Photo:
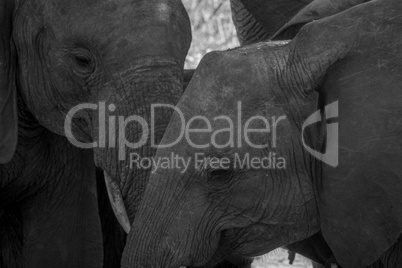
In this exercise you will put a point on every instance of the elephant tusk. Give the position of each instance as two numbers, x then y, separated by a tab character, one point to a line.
116	200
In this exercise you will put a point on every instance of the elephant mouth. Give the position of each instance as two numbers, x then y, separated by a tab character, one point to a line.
239	242
227	245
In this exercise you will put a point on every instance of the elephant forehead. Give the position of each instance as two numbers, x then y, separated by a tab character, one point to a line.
246	75
141	27
106	15
64	8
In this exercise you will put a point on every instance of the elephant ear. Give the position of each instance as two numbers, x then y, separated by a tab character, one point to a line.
316	10
359	200
8	101
258	20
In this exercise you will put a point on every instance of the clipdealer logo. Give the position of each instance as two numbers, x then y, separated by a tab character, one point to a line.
112	134
112	130
331	155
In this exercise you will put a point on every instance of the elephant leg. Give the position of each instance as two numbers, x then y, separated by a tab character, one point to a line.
235	262
61	222
114	237
11	237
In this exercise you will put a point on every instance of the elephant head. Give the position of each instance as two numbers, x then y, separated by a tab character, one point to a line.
234	175
260	20
72	67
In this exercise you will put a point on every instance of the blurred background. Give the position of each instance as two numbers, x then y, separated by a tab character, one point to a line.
213	29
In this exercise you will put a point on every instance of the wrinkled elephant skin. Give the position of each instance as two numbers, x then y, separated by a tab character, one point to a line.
200	213
54	57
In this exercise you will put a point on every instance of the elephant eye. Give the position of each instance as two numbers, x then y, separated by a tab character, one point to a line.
84	64
220	177
83	61
220	172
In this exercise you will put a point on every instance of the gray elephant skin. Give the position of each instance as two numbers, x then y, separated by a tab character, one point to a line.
55	55
351	72
258	21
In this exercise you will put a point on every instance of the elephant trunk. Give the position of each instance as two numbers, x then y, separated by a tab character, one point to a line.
128	131
157	248
168	226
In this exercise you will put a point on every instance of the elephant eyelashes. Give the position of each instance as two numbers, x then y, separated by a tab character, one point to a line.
83	62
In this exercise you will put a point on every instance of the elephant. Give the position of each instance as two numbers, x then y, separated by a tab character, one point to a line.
334	170
55	57
259	20
114	236
283	24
